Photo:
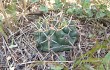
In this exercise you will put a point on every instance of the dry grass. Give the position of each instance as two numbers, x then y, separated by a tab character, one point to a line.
19	50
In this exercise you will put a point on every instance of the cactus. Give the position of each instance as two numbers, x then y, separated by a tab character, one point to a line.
56	40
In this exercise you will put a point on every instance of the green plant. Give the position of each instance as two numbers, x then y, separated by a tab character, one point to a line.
9	13
34	1
57	67
87	10
1	28
56	40
43	8
58	4
94	62
106	62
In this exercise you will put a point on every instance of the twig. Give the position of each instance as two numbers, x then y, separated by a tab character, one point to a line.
41	62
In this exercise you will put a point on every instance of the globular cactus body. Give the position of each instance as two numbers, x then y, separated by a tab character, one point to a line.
56	40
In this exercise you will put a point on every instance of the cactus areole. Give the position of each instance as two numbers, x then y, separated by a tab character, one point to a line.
57	40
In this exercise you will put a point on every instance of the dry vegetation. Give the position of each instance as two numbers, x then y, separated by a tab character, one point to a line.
20	20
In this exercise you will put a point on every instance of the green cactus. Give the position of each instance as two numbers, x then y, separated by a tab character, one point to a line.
56	40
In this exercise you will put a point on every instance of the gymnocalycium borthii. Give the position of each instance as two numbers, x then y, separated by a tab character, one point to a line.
56	39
